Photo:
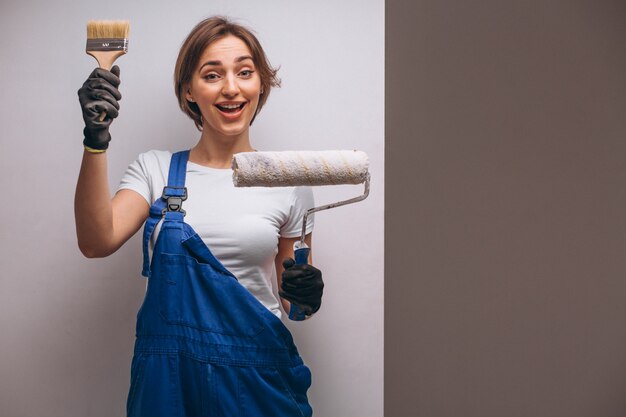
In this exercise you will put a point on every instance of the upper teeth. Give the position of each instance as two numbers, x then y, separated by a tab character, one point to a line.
230	106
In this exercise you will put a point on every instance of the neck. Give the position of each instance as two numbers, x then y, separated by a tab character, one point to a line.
216	150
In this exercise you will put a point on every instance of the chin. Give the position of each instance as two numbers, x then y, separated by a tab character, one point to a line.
230	131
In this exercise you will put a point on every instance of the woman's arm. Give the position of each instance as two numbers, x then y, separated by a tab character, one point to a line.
285	250
104	224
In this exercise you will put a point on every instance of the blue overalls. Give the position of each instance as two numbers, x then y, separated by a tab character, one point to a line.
205	345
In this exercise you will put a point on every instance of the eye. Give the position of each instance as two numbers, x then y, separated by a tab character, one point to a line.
246	73
210	76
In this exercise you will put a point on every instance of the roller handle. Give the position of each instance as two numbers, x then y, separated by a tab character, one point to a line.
301	258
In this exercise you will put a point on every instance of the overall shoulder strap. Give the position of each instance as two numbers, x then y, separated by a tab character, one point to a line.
178	169
174	193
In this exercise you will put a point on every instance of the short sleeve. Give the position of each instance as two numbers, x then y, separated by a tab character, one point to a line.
136	178
302	200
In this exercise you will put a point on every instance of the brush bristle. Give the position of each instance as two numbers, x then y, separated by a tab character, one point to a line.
108	29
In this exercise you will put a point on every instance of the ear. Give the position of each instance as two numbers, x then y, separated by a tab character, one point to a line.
188	95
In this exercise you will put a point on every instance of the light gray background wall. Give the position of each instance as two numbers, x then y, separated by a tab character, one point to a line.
67	323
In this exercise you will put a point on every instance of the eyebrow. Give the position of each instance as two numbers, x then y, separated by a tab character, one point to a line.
217	63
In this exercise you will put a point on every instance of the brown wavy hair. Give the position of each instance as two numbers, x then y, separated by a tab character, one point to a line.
206	32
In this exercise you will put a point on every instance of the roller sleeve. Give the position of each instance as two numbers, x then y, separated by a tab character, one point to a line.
299	168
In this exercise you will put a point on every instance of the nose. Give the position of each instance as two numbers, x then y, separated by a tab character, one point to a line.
230	87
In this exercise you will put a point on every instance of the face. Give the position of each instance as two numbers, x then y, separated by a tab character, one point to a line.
226	87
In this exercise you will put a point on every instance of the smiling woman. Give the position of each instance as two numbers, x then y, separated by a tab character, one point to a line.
190	60
225	88
209	336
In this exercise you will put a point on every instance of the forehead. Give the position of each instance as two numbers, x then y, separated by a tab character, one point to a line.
226	49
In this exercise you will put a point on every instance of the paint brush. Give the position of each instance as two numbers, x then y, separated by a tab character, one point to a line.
107	40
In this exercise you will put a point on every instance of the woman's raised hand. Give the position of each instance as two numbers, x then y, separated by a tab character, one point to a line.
99	97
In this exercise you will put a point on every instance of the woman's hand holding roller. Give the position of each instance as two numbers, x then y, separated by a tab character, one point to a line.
302	285
98	95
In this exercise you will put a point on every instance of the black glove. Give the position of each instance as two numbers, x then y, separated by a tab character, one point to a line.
302	285
97	95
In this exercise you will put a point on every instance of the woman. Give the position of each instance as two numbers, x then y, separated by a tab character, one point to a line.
209	336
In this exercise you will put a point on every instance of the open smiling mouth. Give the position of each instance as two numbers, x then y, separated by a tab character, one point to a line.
231	109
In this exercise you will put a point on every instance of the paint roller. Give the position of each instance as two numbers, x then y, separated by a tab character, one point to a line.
302	168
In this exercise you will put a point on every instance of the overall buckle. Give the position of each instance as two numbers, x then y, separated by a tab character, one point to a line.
174	197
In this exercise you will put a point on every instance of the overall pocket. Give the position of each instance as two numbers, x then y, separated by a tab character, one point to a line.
255	391
136	374
152	391
264	392
196	295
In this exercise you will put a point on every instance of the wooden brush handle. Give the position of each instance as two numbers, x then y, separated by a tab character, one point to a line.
105	61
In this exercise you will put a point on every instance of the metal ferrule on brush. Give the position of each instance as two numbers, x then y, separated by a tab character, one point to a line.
111	44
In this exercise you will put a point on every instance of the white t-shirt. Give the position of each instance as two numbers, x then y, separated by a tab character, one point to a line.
241	226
